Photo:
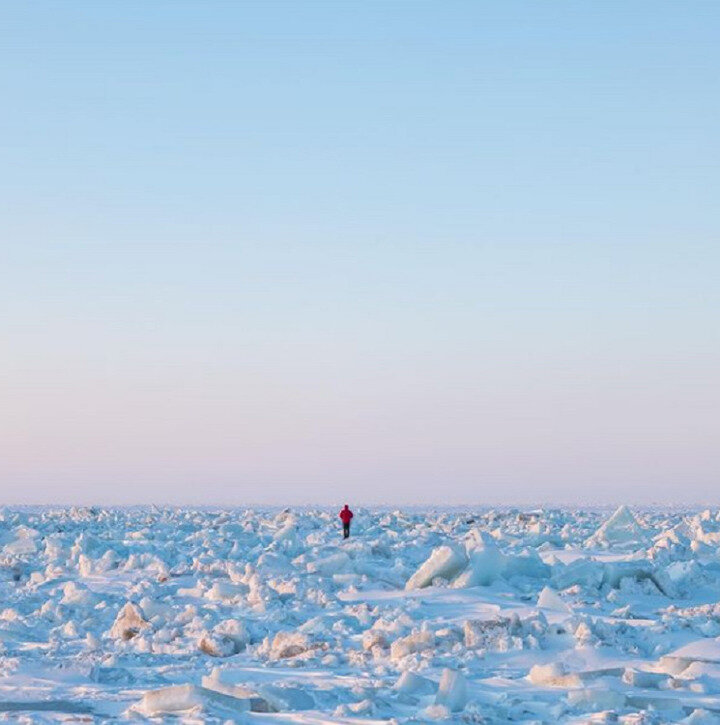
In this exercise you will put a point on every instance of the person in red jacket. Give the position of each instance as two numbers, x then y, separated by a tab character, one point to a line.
346	516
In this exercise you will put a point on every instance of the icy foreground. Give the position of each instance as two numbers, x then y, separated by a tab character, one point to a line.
265	617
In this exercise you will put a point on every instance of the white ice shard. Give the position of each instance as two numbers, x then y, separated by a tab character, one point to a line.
550	599
585	572
452	692
620	530
263	697
527	565
436	712
289	644
417	642
445	562
699	650
486	563
553	674
225	591
596	698
217	645
374	638
179	698
700	717
645	679
412	683
330	565
129	622
287	531
22	546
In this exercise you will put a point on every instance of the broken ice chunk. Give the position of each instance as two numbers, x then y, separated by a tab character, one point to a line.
412	683
553	674
445	561
486	564
417	642
620	530
129	622
289	644
217	645
596	699
642	678
550	599
452	691
178	698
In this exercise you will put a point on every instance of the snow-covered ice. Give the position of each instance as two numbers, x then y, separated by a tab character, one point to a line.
543	616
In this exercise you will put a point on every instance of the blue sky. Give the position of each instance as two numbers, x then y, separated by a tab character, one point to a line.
383	252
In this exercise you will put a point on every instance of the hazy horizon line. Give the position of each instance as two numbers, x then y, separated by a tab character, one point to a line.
381	506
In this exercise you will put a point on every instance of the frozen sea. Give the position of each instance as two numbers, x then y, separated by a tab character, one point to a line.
265	616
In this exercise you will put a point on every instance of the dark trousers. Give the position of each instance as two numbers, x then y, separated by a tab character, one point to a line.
346	531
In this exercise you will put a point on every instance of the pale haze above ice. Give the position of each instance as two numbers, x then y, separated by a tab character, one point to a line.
426	253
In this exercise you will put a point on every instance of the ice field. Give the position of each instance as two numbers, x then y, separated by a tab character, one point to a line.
270	617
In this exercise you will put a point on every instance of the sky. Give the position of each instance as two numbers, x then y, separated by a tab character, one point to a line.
375	252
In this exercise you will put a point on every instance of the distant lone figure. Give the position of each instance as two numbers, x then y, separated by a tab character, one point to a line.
346	516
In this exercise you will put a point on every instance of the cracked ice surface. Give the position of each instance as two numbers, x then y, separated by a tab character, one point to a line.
269	617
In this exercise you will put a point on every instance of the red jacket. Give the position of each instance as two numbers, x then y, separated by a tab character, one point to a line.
345	515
